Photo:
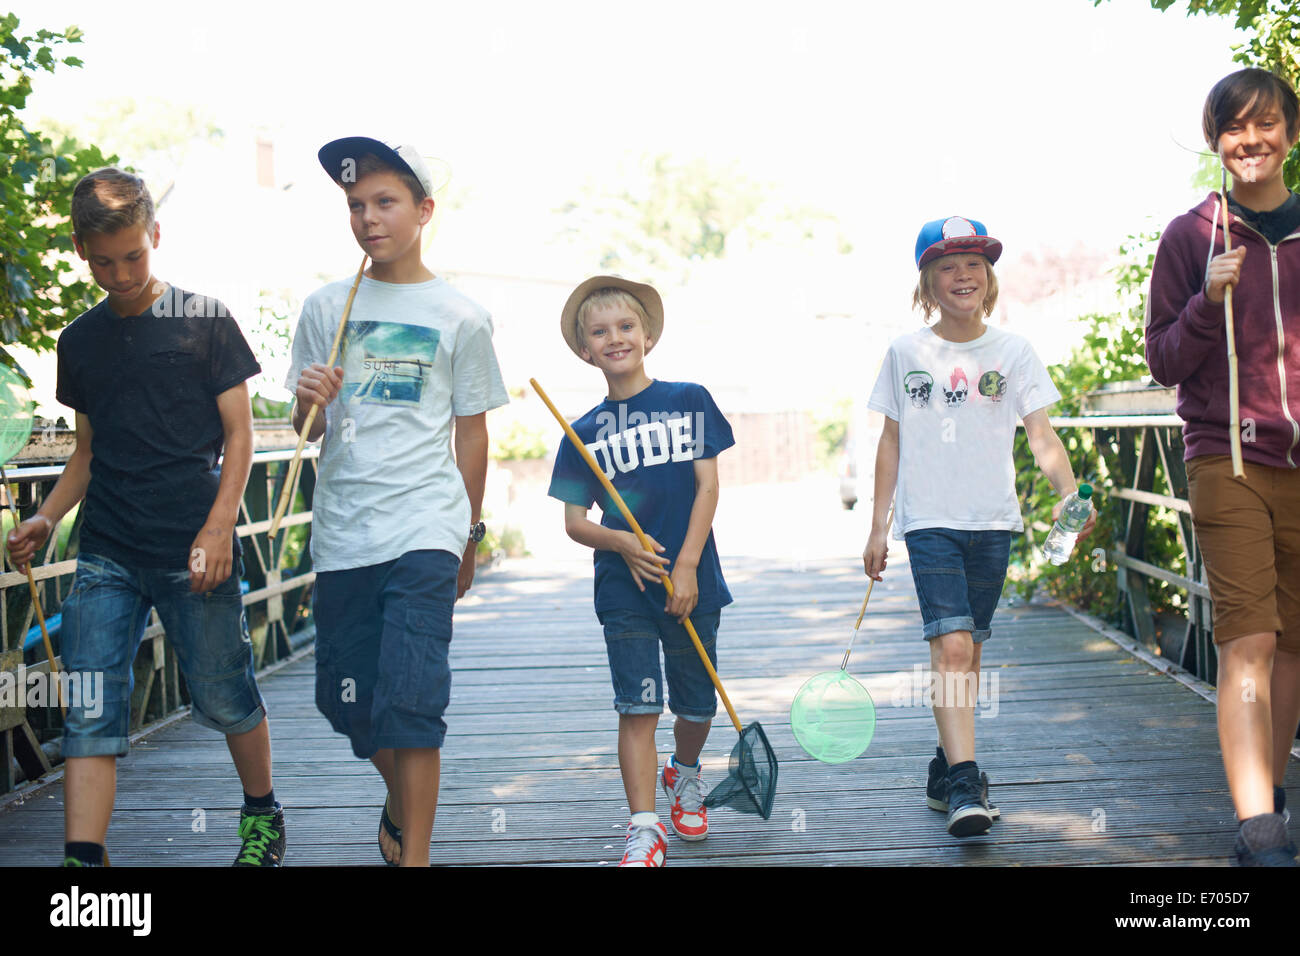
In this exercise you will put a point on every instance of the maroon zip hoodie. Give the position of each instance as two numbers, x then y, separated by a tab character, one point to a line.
1186	344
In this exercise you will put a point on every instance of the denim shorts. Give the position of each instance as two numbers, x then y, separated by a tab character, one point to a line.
383	636
632	640
959	577
104	618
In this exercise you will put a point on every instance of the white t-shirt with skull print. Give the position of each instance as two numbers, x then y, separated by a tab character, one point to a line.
956	404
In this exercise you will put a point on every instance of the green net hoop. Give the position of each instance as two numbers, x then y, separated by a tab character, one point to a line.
833	717
750	786
16	414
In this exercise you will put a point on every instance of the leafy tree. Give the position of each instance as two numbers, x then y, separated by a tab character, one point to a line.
1113	351
1274	45
38	289
675	213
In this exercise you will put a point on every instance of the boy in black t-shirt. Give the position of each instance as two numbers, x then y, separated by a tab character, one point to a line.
157	378
658	442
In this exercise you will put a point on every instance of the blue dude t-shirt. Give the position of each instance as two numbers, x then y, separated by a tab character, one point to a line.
647	446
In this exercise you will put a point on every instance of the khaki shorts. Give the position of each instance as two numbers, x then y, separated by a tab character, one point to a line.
1249	534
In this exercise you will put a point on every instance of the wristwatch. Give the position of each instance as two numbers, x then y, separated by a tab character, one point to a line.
477	531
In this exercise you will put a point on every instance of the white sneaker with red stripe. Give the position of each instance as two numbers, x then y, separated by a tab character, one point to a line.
647	844
686	790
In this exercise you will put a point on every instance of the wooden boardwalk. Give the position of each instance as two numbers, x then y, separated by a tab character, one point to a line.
1094	756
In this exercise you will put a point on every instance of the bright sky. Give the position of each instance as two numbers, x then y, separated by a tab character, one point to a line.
1053	121
1047	119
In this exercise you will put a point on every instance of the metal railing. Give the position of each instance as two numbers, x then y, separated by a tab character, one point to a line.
277	576
1140	439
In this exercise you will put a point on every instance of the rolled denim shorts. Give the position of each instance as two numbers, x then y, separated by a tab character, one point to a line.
104	619
633	639
959	577
383	638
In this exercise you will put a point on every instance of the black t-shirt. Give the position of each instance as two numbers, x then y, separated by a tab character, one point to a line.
149	385
1274	225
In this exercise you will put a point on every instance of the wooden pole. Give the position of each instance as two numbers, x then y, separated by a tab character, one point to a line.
291	480
1234	413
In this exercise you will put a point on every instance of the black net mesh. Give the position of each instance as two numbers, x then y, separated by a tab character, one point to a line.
751	778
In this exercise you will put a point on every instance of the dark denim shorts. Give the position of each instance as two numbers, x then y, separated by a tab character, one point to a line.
383	635
959	577
104	619
632	640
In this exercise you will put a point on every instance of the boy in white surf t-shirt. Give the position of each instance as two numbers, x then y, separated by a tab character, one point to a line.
951	395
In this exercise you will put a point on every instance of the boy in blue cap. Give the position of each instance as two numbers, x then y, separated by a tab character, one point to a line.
949	451
658	443
395	518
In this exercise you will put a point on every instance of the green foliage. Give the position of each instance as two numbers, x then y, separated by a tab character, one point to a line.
518	442
833	431
1111	351
156	133
39	293
270	337
507	541
677	213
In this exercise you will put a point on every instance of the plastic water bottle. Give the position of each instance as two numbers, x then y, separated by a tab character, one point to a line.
1060	540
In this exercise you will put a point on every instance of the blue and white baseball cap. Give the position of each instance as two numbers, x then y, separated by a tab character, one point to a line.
943	237
339	158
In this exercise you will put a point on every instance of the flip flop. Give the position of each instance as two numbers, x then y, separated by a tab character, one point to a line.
394	832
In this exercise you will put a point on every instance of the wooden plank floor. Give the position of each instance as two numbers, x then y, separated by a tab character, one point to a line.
1094	757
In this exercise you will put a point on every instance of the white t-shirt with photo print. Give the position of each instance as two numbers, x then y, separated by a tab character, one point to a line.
413	355
956	404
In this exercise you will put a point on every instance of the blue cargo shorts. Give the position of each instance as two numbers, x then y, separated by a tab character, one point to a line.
633	639
383	636
104	619
959	577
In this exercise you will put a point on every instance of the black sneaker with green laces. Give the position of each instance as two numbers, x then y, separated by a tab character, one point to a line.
263	836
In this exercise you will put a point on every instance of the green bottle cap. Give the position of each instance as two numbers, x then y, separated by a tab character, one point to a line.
1085	490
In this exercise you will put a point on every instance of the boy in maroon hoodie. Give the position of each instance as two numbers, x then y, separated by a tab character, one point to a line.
1248	529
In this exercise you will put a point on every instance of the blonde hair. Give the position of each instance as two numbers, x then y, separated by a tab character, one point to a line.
925	298
605	298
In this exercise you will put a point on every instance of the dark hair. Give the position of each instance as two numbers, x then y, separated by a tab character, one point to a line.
108	199
1251	91
368	163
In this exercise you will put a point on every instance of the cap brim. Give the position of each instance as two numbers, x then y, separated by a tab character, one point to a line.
335	156
986	246
645	294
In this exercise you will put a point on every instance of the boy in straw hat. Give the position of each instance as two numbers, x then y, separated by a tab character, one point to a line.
658	443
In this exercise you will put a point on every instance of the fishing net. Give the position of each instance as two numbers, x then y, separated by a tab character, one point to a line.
833	717
16	414
750	785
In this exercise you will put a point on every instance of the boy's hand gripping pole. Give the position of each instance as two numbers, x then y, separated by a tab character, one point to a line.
295	464
1234	413
36	600
844	664
636	529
